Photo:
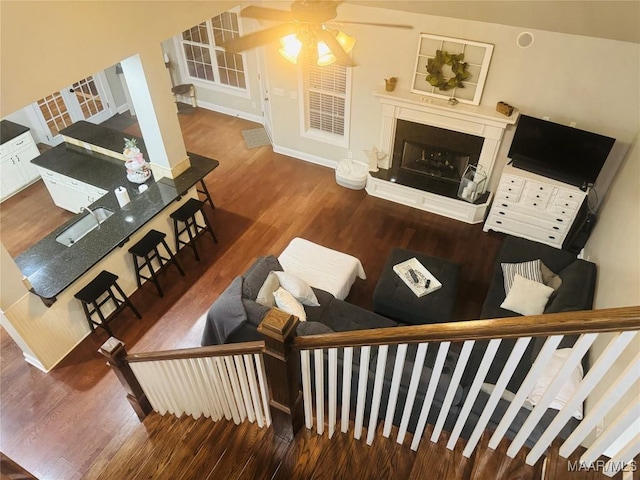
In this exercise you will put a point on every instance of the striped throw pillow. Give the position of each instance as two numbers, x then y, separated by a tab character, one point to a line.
530	270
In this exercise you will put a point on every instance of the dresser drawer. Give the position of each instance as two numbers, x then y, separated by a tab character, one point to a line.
544	222
569	195
535	203
534	194
511	180
532	186
525	230
571	205
505	188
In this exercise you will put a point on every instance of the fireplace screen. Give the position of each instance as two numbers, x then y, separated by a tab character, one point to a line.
441	163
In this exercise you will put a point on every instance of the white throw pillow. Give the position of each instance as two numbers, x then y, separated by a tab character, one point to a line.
265	294
569	387
527	297
298	288
530	270
288	303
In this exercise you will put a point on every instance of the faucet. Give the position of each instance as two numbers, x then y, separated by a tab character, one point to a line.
92	214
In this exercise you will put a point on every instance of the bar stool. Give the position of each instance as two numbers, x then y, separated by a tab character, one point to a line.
147	248
91	293
205	192
186	214
185	89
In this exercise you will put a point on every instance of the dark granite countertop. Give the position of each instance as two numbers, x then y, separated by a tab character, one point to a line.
52	267
10	130
89	167
102	137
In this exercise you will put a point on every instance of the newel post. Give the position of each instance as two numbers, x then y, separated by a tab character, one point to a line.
114	350
282	365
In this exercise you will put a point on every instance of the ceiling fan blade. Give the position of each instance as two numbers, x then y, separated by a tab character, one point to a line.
263	13
341	56
261	37
391	25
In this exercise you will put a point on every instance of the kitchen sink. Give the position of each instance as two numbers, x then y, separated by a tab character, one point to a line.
83	226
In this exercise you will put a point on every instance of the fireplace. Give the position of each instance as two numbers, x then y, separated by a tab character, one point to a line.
451	137
432	159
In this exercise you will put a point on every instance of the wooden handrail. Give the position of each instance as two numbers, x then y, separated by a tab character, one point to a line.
566	323
246	348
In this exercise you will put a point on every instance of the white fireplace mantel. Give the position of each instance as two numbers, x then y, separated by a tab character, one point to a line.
481	121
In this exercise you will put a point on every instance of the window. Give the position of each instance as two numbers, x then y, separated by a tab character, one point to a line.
204	57
326	102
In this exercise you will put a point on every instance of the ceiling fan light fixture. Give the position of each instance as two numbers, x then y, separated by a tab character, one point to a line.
346	41
291	47
325	57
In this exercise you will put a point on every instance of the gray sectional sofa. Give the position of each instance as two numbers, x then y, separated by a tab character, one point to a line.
238	323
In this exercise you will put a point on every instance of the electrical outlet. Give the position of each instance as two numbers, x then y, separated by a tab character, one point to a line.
293	95
599	428
572	124
545	118
349	154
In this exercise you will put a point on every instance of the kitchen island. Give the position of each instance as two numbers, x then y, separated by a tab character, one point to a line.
47	322
50	266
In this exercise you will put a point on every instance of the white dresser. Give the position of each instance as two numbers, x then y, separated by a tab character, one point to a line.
534	207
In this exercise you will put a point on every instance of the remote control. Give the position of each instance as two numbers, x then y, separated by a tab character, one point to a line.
413	275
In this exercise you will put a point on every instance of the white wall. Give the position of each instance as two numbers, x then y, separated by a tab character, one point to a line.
614	246
590	81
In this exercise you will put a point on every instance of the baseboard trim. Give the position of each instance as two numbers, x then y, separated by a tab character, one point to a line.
123	108
229	111
307	157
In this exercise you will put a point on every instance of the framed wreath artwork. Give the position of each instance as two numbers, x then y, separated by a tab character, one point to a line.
451	68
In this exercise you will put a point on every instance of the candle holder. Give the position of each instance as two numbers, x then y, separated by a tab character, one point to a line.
472	184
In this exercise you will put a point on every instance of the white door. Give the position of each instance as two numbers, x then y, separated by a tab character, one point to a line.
87	99
264	93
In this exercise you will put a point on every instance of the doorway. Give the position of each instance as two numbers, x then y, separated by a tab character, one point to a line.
88	99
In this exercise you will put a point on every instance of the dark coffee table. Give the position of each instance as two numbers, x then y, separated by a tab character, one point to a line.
394	299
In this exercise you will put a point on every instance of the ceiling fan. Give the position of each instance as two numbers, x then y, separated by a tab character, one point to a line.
307	30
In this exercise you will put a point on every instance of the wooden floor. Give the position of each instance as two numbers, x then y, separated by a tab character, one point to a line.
58	425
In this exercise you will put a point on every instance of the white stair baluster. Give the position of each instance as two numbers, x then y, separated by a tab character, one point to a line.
577	352
398	367
501	384
527	384
451	391
244	387
333	389
305	367
590	381
253	388
214	372
614	393
610	434
625	455
413	388
431	391
227	390
363	377
381	365
318	357
481	374
347	365
235	386
264	388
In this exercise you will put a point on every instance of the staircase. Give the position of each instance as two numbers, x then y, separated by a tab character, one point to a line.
237	411
167	447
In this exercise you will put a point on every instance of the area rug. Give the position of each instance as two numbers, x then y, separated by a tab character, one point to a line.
256	137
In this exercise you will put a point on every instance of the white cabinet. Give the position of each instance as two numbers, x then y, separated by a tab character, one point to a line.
534	207
16	170
69	193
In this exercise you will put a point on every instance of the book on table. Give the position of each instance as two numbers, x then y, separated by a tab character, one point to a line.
420	280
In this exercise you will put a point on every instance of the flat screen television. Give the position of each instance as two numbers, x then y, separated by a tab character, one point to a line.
566	154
